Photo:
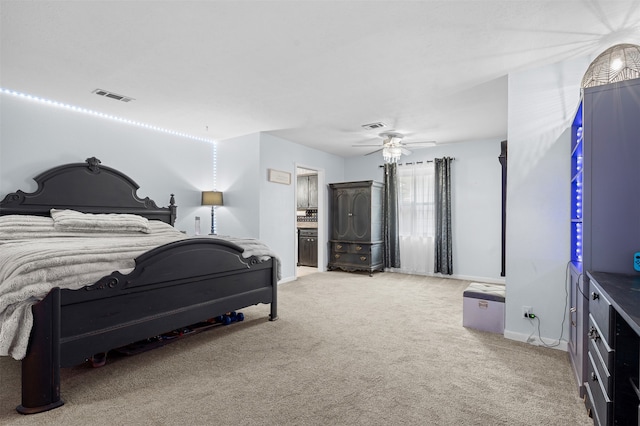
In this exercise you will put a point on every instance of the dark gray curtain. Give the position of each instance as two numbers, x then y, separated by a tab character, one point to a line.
390	217
443	248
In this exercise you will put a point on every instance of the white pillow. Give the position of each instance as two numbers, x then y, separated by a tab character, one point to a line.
71	220
20	226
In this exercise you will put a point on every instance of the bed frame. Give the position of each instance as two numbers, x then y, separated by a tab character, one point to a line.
172	286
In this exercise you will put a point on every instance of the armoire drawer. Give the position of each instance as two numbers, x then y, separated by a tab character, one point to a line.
360	248
352	258
340	247
356	248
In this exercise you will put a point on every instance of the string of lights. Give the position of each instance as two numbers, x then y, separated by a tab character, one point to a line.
101	115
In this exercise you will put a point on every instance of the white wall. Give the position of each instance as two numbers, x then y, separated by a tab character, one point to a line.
238	174
542	103
277	218
35	137
265	210
476	202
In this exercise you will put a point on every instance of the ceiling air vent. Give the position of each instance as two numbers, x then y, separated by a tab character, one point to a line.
112	95
374	126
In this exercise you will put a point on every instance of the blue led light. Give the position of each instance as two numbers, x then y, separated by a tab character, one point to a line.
101	115
577	166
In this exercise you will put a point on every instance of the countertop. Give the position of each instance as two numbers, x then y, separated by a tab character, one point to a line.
307	225
623	291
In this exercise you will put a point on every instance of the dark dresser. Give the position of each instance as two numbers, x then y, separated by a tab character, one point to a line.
356	226
605	233
613	356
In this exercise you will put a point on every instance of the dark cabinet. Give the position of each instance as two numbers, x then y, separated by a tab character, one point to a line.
605	234
613	359
356	226
578	322
307	195
308	247
611	194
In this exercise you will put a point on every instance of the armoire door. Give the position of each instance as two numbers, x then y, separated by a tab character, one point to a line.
360	215
341	214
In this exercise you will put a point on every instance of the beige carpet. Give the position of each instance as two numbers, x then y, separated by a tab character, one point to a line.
348	349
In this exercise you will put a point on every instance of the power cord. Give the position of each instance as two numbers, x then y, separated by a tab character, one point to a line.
532	317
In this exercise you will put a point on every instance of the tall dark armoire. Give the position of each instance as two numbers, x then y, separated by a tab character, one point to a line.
355	211
605	234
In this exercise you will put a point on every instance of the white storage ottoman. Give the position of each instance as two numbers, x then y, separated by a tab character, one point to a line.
483	307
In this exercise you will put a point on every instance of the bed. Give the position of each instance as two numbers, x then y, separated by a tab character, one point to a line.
170	286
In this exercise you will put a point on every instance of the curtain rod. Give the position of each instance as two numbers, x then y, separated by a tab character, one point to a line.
417	162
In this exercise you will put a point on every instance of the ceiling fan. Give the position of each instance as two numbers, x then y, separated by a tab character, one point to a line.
393	147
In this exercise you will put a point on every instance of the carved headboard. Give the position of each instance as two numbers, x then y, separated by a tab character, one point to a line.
89	188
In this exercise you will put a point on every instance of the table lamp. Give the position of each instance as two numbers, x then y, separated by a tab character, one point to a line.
213	199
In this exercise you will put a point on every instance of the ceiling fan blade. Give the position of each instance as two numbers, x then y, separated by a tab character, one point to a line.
423	143
373	152
368	141
405	151
367	145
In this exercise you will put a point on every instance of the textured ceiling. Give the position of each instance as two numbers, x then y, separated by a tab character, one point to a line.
312	72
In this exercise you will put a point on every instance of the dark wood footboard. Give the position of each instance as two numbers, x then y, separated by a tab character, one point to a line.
41	366
171	287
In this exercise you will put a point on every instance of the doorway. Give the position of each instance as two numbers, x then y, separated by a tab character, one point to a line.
310	225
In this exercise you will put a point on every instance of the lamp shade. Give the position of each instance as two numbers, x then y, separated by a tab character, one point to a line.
212	198
618	63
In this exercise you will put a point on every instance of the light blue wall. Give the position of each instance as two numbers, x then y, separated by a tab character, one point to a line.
259	208
35	137
278	201
476	202
542	103
238	174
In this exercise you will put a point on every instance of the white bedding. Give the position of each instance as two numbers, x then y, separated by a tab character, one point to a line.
30	267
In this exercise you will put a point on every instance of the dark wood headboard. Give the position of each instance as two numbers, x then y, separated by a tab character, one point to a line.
89	188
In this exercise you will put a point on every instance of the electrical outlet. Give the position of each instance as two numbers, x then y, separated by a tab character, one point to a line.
526	311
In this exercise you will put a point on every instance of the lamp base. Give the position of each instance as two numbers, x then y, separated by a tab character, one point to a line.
213	223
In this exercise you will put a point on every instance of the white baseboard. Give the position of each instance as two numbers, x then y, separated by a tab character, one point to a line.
534	340
476	279
455	277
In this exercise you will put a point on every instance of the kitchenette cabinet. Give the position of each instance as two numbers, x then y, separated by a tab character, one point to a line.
307	247
307	195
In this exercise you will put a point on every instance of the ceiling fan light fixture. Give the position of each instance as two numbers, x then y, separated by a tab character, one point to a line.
391	154
391	137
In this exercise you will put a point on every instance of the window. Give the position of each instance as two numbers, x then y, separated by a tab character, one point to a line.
416	217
